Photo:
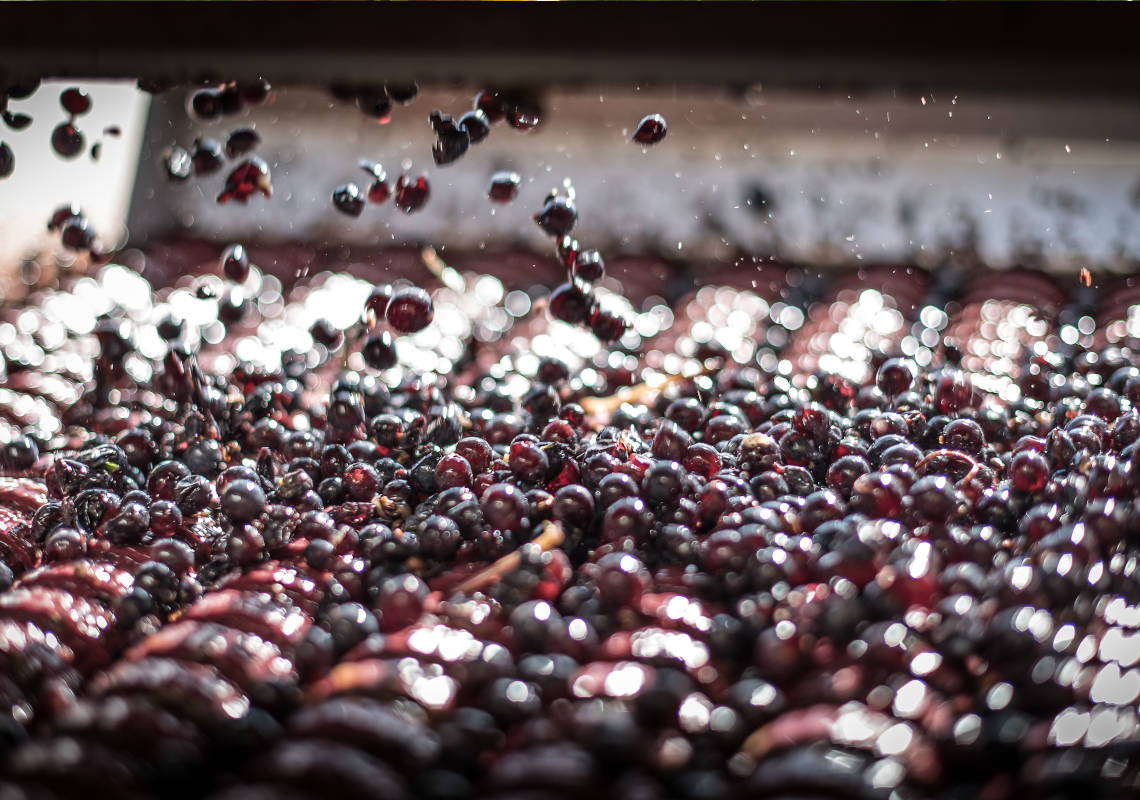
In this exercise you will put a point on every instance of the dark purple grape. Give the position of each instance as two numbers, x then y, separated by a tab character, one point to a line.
439	537
663	484
843	472
159	581
607	326
476	451
174	553
505	507
77	234
570	304
492	104
452	141
75	101
574	505
628	516
589	266
350	624
475	124
504	187
895	376
207	157
242	501
1104	403
557	217
164	477
165	517
410	310
453	470
192	494
1028	471
348	199
232	307
379	350
206	104
812	420
320	553
878	495
552	371
375	102
235	263
378	191
523	112
953	391
650	130
400	601
64	544
621	579
890	424
67	140
528	462
241	141
15	120
965	435
614	486
411	193
326	334
361	481
18	454
22	88
331	491
7	160
688	413
230	100
702	459
377	302
935	499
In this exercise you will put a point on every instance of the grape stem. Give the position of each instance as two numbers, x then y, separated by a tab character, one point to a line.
944	453
974	464
552	536
438	267
642	393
